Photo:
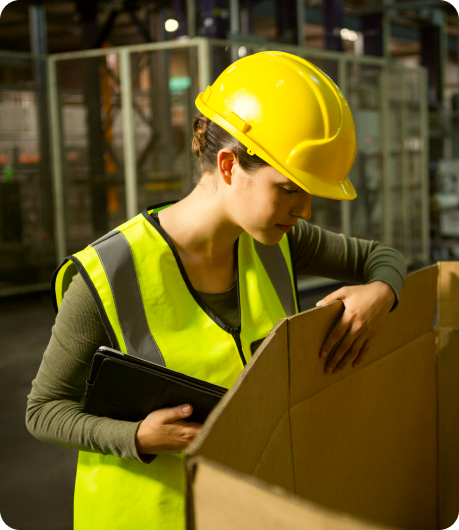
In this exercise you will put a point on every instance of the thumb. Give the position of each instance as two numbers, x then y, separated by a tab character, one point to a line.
337	295
176	413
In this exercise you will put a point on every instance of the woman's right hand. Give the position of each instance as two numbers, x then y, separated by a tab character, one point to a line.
166	431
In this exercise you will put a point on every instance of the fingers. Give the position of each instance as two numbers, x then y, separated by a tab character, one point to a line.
363	350
343	358
344	344
336	295
189	429
341	350
166	431
169	415
335	336
186	432
340	358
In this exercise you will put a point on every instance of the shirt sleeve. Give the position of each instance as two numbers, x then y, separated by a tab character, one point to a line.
318	252
55	403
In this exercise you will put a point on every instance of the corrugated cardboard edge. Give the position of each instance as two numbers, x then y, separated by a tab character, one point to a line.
366	524
447	330
212	418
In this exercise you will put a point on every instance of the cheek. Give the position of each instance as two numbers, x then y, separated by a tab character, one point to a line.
258	212
261	206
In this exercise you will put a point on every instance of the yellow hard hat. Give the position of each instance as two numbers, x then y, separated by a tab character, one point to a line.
292	115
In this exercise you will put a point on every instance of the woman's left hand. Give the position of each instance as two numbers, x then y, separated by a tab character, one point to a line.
366	309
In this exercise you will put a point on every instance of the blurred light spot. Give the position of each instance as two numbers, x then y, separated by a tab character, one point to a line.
208	22
171	25
112	59
348	34
413	143
242	51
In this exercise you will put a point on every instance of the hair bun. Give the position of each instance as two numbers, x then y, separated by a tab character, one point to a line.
199	142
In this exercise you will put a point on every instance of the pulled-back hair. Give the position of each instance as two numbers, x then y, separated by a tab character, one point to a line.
207	141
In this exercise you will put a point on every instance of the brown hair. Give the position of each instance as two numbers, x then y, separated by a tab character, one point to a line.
207	141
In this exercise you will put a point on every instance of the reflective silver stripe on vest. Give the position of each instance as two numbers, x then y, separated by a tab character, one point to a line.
276	267
116	258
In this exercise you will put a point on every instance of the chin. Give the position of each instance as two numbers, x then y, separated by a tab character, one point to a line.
266	238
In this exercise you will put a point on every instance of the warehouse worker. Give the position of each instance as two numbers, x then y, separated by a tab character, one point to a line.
195	285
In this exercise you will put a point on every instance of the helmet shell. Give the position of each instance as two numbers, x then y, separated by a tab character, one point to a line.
292	115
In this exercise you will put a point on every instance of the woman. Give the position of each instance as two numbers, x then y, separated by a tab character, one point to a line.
197	284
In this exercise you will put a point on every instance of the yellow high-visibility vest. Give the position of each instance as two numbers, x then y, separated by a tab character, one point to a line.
150	309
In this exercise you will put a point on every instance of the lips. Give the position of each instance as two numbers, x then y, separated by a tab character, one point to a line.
285	228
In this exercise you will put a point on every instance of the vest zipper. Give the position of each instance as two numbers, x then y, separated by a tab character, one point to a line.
237	338
237	332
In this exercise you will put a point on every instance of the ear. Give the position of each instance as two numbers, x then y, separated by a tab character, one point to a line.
226	160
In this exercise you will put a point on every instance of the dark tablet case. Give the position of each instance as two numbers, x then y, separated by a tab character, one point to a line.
124	387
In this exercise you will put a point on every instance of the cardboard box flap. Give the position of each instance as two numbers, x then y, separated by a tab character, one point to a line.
226	500
308	331
255	403
275	465
448	294
377	426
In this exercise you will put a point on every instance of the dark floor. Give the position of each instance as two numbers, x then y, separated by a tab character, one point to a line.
36	479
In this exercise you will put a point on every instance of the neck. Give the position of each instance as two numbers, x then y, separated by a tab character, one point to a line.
200	225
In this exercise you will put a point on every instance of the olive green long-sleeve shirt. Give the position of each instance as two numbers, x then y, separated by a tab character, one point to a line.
54	410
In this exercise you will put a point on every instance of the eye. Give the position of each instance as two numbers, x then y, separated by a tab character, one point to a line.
289	191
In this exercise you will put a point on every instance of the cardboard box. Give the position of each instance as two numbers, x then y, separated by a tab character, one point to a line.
376	446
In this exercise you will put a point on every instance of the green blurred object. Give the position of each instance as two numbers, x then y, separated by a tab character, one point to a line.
179	83
8	173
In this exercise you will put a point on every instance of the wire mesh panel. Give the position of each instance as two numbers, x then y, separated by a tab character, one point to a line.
92	153
165	85
414	175
363	92
125	122
26	215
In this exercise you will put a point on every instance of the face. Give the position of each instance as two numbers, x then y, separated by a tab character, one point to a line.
266	204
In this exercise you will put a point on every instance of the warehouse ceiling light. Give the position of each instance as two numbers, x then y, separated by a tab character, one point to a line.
348	34
242	51
171	25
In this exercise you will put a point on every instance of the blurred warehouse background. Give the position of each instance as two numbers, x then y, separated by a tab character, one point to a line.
97	98
96	104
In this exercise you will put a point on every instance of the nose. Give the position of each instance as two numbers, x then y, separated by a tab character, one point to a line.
303	208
